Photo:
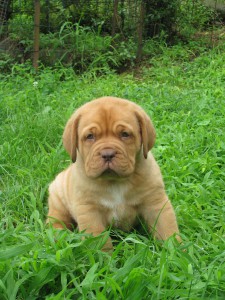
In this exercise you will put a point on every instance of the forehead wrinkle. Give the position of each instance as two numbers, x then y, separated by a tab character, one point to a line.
123	124
112	117
105	118
92	127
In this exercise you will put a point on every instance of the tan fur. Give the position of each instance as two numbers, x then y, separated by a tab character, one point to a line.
96	193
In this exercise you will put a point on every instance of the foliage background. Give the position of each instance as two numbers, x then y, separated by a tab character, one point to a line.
100	34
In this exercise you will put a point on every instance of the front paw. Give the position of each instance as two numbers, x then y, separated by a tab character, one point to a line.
108	246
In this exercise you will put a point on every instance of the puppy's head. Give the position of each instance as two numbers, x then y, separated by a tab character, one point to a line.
109	134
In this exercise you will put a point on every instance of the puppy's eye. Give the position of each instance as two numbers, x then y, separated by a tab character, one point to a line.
124	135
90	137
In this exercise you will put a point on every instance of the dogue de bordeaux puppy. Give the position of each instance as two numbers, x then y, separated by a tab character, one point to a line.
114	179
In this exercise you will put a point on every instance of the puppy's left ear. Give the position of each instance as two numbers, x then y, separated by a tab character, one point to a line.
148	133
70	137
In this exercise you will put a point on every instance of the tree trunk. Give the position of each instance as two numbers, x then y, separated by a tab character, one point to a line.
140	30
115	17
37	9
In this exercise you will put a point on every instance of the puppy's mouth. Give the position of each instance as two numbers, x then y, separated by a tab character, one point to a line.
109	172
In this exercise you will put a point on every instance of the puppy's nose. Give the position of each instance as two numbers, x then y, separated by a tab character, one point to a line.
108	154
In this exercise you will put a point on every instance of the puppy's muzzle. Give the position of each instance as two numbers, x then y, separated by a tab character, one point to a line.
108	154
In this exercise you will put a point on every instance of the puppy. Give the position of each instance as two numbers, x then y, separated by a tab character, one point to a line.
114	179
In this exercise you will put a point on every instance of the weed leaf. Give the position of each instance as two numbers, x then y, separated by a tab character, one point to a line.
14	251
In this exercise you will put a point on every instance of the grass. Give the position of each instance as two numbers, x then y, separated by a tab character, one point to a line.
185	98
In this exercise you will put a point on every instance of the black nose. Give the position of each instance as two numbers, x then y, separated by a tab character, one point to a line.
108	154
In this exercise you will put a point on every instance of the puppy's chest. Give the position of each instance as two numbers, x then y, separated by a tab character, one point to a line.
120	211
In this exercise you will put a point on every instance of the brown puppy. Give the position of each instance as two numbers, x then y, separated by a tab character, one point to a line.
114	179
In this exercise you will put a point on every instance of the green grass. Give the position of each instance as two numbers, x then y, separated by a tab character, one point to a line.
185	97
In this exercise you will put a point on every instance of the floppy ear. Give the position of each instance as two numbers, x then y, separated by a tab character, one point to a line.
148	134
70	137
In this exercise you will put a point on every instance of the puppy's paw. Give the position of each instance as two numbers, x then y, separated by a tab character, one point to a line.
108	246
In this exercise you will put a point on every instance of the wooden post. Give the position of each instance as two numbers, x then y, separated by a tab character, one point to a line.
37	9
140	29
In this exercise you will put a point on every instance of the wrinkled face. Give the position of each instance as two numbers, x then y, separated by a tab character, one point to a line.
108	142
108	134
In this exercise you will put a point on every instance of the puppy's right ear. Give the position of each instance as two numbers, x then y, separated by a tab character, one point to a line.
147	131
70	136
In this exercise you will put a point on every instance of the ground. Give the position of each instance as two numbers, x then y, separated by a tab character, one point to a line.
184	95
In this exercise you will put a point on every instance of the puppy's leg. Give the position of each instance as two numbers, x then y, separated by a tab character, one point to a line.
160	218
91	220
58	214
